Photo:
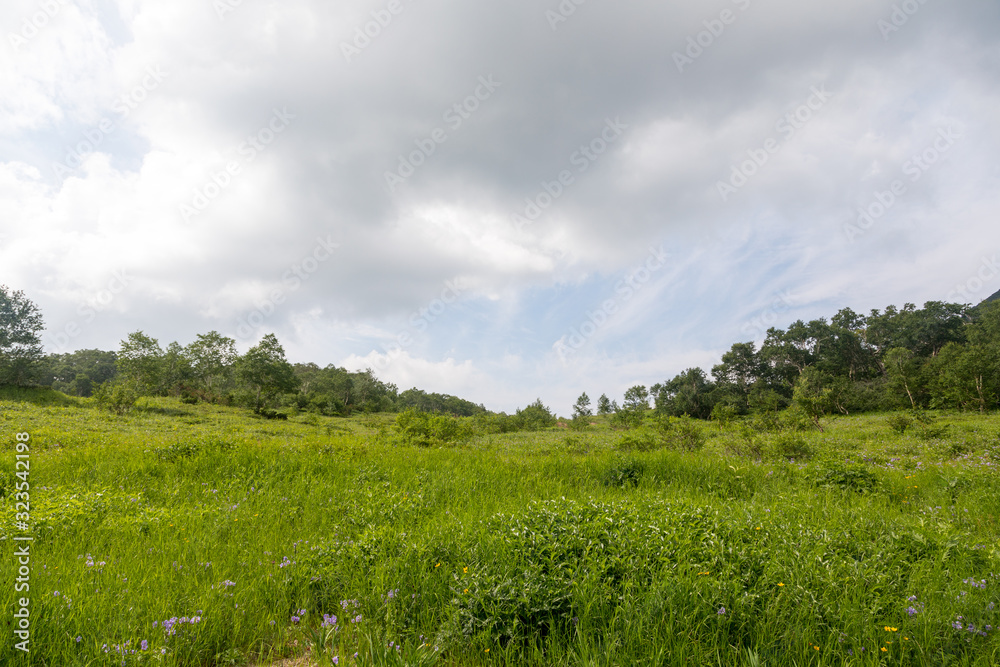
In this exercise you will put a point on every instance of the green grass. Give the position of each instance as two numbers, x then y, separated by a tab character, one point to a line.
550	548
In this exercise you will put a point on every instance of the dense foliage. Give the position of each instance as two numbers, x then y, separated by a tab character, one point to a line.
943	356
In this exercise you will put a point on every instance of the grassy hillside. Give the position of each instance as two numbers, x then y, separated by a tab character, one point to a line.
202	535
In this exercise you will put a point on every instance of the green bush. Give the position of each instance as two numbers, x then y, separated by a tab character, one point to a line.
682	433
530	578
899	422
792	446
845	476
115	397
623	472
427	430
639	440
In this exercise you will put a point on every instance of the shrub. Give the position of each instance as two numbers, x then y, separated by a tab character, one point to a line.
899	422
681	433
749	442
427	430
627	418
792	446
623	472
117	398
534	417
723	413
850	477
639	440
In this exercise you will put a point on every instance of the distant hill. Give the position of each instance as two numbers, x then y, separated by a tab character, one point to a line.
992	298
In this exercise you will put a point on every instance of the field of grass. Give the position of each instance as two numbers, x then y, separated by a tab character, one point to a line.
201	535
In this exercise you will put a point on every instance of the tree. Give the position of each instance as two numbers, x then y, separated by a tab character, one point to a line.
740	369
266	372
534	417
212	356
688	393
175	370
633	408
78	373
636	399
139	363
581	411
604	405
903	368
965	376
812	394
20	338
441	403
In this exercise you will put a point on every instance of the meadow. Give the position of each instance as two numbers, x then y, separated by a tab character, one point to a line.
204	535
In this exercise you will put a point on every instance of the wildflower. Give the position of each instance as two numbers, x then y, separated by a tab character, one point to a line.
780	584
465	570
79	639
722	611
911	611
295	619
885	650
144	645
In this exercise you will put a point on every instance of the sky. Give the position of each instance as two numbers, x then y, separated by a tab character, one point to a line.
500	200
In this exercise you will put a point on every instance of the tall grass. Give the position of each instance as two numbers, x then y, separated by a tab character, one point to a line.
552	548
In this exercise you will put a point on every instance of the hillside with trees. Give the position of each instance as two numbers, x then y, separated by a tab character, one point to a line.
940	356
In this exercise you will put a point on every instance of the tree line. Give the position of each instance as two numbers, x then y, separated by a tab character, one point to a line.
208	369
943	355
940	356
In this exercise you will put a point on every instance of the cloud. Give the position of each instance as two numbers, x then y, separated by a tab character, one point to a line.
136	149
